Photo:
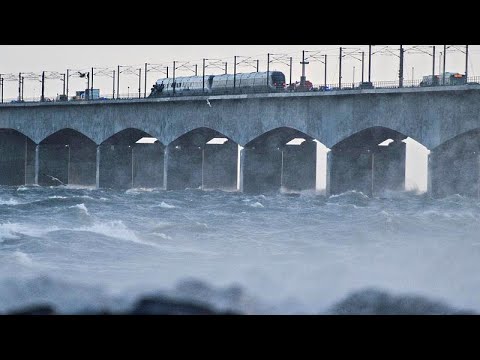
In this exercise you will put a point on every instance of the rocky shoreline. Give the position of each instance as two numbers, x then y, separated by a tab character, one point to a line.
364	302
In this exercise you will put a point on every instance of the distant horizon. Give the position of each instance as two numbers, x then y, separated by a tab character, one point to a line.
34	59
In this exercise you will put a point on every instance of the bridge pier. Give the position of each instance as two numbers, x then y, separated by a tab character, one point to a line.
37	163
370	170
17	159
97	168
454	168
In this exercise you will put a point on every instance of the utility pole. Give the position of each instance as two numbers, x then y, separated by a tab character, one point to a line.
68	76
363	64
444	61
234	72
23	84
268	67
433	66
1	85
88	84
440	64
145	85
258	64
91	92
340	71
203	80
42	98
466	64
173	83
139	83
325	71
19	86
118	82
291	63
303	79
167	72
400	72
64	84
226	68
196	68
113	89
369	63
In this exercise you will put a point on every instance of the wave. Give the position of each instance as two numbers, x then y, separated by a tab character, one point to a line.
10	201
10	230
257	205
22	258
164	205
81	207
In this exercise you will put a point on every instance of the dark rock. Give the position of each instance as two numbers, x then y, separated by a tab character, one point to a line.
35	310
376	302
164	306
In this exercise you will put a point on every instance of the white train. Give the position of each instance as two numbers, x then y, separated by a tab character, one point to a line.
220	84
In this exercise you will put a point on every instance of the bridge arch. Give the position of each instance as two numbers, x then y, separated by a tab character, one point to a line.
17	158
131	158
374	159
286	129
282	158
66	157
203	158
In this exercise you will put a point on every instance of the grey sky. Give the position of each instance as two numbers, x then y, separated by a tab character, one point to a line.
35	58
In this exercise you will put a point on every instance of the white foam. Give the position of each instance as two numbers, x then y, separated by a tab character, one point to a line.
82	207
80	187
165	205
116	229
257	205
22	258
8	231
10	201
14	230
162	235
138	190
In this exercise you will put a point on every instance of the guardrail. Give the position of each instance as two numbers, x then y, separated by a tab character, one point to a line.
475	80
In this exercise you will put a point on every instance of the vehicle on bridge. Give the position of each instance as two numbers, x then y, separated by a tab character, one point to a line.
450	79
220	84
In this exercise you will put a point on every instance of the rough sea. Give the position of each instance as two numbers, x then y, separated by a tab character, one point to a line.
90	249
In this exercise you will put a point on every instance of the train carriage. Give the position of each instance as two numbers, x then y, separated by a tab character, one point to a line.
218	84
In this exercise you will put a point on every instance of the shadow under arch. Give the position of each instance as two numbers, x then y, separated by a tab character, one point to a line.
363	162
202	158
286	129
454	166
66	157
368	138
17	158
273	161
125	162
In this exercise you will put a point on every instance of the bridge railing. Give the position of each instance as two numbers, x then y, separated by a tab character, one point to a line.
474	80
